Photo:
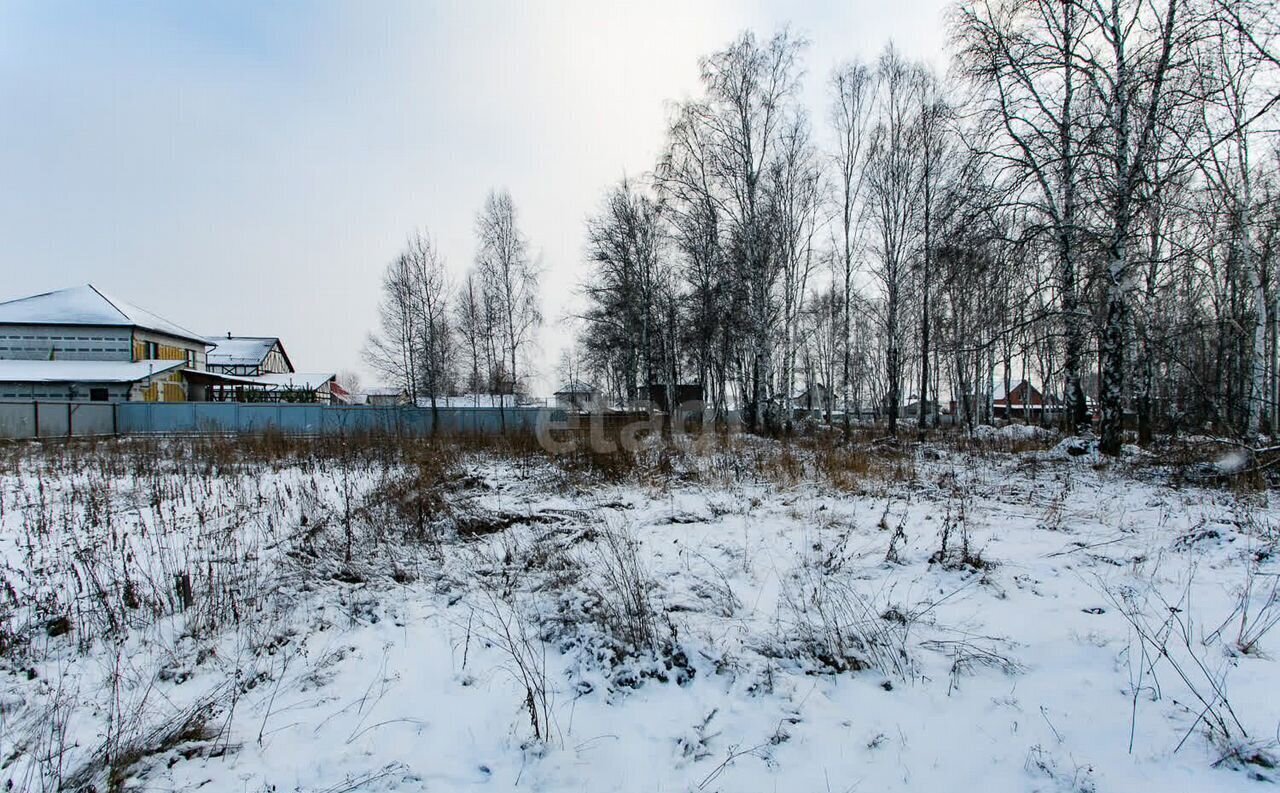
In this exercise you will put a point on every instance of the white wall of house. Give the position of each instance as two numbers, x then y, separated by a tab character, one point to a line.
275	362
77	392
64	343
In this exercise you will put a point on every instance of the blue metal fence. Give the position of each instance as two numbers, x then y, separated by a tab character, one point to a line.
55	419
246	418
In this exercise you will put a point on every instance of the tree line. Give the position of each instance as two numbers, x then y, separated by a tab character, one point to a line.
1088	200
437	337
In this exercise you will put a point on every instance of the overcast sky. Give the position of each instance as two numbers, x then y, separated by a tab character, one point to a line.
251	167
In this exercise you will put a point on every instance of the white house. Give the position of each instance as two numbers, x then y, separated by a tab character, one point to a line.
578	396
82	344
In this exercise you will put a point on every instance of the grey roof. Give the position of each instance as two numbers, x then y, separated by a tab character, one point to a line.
242	350
87	305
576	387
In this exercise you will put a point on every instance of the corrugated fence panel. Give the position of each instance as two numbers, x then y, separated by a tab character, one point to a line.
59	419
176	417
17	420
53	420
230	417
299	419
93	418
48	419
132	417
257	418
213	416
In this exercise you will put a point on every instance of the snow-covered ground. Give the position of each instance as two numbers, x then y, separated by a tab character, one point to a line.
729	621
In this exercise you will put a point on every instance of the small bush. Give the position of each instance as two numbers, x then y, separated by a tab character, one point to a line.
828	621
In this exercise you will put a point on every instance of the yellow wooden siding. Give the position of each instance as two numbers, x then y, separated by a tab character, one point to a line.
165	353
171	385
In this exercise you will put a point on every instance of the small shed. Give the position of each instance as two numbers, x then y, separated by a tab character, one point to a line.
578	396
814	397
385	396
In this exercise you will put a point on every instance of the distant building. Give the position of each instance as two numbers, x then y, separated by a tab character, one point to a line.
1024	399
386	397
248	356
257	369
685	394
338	395
81	344
578	397
911	408
813	398
273	387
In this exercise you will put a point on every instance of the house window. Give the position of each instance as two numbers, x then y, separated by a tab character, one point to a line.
97	395
191	358
150	350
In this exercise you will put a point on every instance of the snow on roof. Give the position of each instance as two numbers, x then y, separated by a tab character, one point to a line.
83	371
87	305
577	387
240	350
297	381
468	401
291	381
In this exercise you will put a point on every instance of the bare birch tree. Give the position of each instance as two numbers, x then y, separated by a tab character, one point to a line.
510	284
852	86
1030	58
393	352
892	203
415	349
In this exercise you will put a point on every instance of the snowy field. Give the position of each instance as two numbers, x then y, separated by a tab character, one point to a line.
214	616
